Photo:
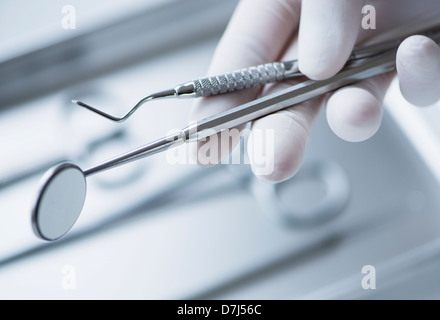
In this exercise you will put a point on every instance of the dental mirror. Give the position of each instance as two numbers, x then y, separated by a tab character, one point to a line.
60	201
63	191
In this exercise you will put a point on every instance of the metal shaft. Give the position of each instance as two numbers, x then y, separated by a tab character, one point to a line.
356	71
145	151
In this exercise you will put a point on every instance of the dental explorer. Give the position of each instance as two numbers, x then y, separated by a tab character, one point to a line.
247	78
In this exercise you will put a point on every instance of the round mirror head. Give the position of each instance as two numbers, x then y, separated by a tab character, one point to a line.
59	202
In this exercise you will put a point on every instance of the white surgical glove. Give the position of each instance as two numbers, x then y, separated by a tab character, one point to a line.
321	34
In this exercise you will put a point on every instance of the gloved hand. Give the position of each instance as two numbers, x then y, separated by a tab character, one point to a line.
321	35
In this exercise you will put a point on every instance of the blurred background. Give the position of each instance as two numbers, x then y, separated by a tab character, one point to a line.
157	230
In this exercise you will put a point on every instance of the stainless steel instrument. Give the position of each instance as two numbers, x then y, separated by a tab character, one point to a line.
273	72
63	191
